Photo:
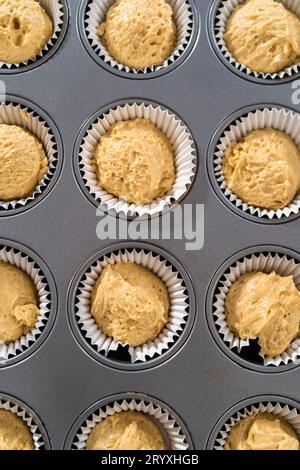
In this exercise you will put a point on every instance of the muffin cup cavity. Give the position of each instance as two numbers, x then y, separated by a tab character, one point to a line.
174	129
19	115
221	17
96	12
171	430
56	12
179	304
278	118
291	415
28	266
38	435
267	263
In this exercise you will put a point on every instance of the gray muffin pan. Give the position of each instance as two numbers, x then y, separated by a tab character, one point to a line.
61	378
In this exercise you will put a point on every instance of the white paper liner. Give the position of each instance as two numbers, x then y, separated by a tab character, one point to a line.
280	119
19	115
178	304
54	8
176	437
222	17
20	260
291	415
174	129
257	262
25	415
96	14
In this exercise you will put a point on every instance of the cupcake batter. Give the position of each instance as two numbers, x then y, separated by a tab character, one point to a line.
135	161
23	162
262	431
25	28
139	33
14	433
263	169
267	307
130	303
263	35
18	303
127	430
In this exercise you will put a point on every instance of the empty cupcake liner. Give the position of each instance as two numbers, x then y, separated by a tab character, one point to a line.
174	129
257	262
291	415
19	115
20	260
55	10
28	419
223	13
278	118
96	13
165	421
178	305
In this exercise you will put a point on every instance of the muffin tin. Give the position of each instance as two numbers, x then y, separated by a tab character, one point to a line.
197	379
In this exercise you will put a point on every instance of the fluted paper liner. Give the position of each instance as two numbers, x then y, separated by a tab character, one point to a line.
176	437
174	129
29	420
269	263
96	14
178	304
277	118
19	115
20	260
54	8
291	415
222	16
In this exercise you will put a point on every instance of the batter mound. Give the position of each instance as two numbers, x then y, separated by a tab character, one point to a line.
18	303
267	307
135	161
263	169
139	33
130	303
127	430
25	29
14	433
264	36
262	431
23	162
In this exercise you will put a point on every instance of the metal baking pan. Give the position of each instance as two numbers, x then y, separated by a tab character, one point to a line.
61	378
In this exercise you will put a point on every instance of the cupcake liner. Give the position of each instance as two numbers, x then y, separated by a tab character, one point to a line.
55	10
277	118
19	115
174	129
291	415
222	16
20	260
165	421
96	13
178	305
28	419
269	263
